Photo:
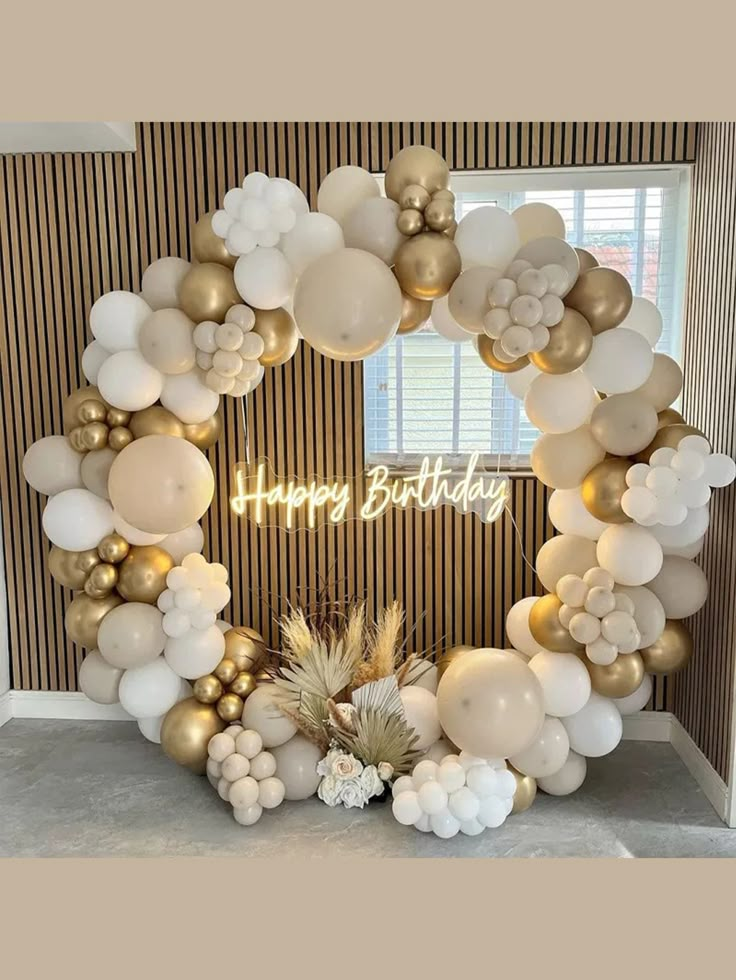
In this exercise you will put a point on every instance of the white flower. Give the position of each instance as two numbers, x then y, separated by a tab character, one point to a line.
352	793
329	791
385	771
324	766
346	766
371	782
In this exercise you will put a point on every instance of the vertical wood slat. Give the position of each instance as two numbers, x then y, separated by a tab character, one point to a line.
75	225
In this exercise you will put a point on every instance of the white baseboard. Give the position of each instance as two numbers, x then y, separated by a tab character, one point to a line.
647	726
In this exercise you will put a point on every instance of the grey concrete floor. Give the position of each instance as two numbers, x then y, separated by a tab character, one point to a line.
98	789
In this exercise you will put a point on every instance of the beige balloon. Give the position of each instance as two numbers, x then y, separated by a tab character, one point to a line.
96	471
262	714
131	635
562	461
490	704
468	297
161	281
296	765
568	347
165	340
161	484
98	679
664	384
564	554
603	296
669	417
371	226
624	424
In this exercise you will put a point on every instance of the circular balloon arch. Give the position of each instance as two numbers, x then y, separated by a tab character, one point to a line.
336	714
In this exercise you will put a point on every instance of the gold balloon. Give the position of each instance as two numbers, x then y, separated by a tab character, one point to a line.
113	548
451	229
414	197
671	651
73	403
619	679
186	731
485	349
142	574
69	568
245	648
207	689
243	684
439	215
207	292
427	265
91	410
209	247
603	296
525	792
279	334
76	440
117	417
414	313
119	437
230	707
226	671
669	417
569	345
155	421
587	261
603	488
87	560
410	222
416	165
205	434
546	628
101	581
668	436
94	436
449	656
84	615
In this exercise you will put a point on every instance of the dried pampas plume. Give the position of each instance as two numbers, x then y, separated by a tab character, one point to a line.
384	650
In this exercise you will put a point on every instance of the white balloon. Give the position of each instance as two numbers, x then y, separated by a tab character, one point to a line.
51	466
637	700
487	236
547	753
423	673
720	470
150	690
189	398
519	382
620	360
134	535
688	532
343	189
569	515
93	357
445	323
568	779
517	627
182	543
372	226
116	318
161	281
551	250
196	653
312	236
644	318
559	403
420	710
406	808
565	682
630	553
596	729
77	520
150	728
685	550
681	587
264	278
127	381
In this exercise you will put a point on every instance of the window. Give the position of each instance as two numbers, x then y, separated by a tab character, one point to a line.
424	394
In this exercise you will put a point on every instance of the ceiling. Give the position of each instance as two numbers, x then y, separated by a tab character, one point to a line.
60	137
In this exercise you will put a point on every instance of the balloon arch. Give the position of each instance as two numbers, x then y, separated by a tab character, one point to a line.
339	710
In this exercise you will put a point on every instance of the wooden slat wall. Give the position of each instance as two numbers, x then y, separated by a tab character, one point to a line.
702	695
73	226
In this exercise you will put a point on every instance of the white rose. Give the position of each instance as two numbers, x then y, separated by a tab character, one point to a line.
329	791
324	766
346	766
371	782
352	793
385	771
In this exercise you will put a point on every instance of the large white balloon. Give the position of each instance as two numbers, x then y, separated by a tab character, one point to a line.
77	520
343	189
636	701
558	403
150	690
487	236
116	318
51	466
196	653
569	515
644	318
127	381
264	278
565	554
649	613
161	282
189	398
565	682
568	779
445	323
372	226
312	236
631	554
183	543
347	305
620	360
93	357
133	636
519	382
596	729
681	587
691	530
547	753
517	627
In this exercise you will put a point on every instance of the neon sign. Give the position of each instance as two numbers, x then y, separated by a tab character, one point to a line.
259	491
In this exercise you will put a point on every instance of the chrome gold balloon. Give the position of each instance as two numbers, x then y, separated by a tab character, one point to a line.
669	416
279	334
410	222
414	313
207	689
91	410
439	215
225	671
71	568
603	296
427	265
155	421
525	792
207	292
414	197
117	417
619	679
416	165
603	488
243	684
229	707
205	434
84	615
119	437
186	731
671	652
569	345
209	247
245	648
485	350
142	573
587	260
101	581
546	628
94	436
113	548
73	403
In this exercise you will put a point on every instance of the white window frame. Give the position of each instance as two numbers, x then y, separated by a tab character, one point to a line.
482	184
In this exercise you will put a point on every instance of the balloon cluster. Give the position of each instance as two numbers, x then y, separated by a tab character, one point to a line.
597	616
229	352
195	592
525	303
244	774
461	794
258	213
422	211
98	426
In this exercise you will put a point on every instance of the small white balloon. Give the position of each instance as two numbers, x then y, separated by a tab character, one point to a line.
127	381
93	357
264	278
445	323
187	397
644	318
51	466
596	729
565	682
637	700
567	779
195	653
77	520
116	318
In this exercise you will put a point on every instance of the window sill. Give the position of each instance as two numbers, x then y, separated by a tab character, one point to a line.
490	465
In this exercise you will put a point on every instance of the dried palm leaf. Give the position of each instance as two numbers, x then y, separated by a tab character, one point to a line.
380	737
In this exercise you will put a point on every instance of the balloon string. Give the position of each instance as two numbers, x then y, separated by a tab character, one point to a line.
519	538
246	432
